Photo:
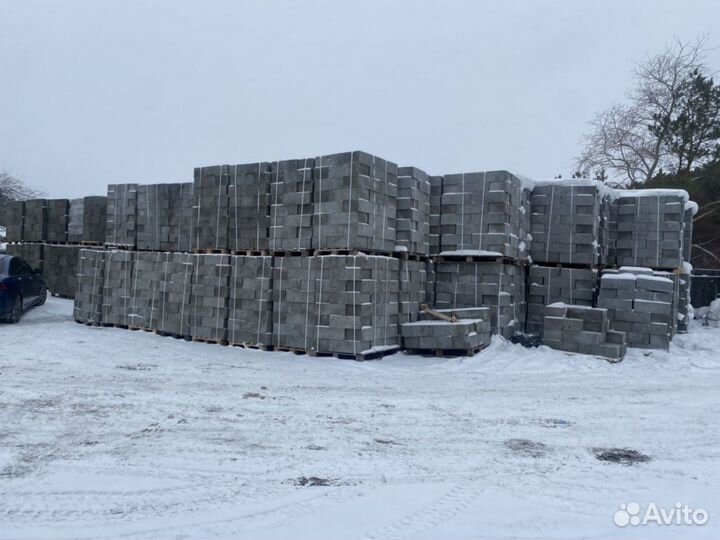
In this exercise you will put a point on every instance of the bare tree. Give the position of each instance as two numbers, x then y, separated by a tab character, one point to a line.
631	141
14	189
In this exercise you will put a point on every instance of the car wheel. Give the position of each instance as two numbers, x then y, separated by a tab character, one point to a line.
43	296
17	310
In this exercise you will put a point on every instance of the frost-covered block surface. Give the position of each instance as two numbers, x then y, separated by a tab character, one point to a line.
413	211
437	335
355	203
484	211
567	225
498	286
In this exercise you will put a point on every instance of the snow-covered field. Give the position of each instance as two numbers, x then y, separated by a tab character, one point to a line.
112	433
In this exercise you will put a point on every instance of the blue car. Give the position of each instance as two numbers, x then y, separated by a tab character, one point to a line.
21	288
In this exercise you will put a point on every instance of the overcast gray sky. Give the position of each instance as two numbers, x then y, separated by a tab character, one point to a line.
96	92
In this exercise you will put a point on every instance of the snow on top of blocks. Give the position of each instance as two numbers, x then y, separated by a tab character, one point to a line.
471	253
613	193
628	276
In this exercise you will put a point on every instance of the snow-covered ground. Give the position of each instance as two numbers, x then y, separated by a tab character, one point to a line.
112	433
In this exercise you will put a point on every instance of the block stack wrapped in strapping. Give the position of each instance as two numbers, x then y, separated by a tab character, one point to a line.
87	220
12	217
121	224
249	207
145	294
117	287
209	297
501	287
355	203
549	284
291	205
567	224
413	288
436	189
175	288
60	267
482	213
413	211
647	230
57	220
88	308
250	301
211	208
165	217
35	223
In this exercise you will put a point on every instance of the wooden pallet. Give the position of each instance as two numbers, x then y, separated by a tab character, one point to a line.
251	252
211	251
478	259
446	353
120	247
570	266
405	256
293	253
171	334
252	346
223	342
88	243
354	252
375	355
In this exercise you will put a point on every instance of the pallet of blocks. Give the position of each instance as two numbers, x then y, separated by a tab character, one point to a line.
436	187
249	208
355	203
210	209
12	217
413	288
88	307
60	269
57	220
117	288
250	301
87	220
582	329
291	205
35	223
566	224
646	229
641	303
499	286
482	214
164	217
335	304
209	296
413	212
121	213
175	286
145	293
550	284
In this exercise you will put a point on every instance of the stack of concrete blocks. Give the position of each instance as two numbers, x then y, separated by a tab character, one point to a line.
582	329
117	288
684	280
464	335
87	220
164	217
481	213
640	303
209	297
145	295
647	230
250	300
566	224
12	216
88	307
355	203
60	269
499	286
33	253
210	208
295	283
249	207
35	223
413	211
436	189
413	288
291	205
430	284
174	298
688	216
121	222
57	220
549	284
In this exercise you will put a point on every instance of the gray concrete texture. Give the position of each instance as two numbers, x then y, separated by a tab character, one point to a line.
121	223
60	267
413	211
164	216
87	220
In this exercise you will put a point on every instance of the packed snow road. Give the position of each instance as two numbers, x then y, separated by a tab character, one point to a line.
111	433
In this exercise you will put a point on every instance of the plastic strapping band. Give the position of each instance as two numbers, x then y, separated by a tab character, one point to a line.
476	285
376	304
635	231
257	223
275	205
384	203
217	209
199	205
184	301
319	205
279	319
307	300
302	205
457	278
157	220
234	265
235	192
572	214
482	210
154	281
657	227
354	301
549	227
500	280
319	305
164	287
260	309
350	197
220	297
386	300
572	285
462	215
